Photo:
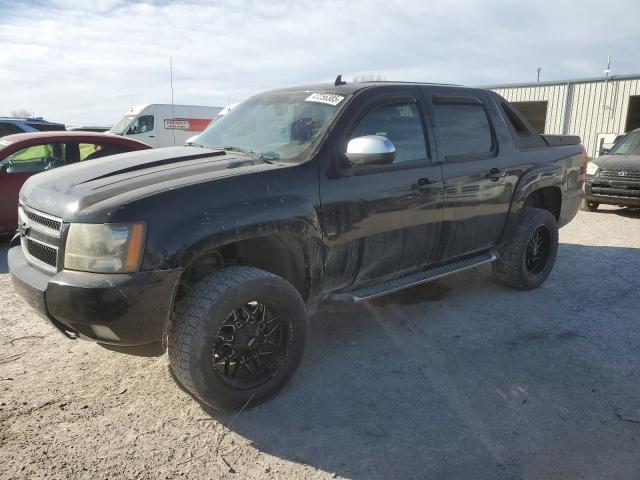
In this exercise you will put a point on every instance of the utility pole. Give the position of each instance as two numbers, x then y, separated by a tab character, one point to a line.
539	70
173	115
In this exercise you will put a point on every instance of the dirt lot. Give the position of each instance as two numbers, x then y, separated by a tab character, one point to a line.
462	378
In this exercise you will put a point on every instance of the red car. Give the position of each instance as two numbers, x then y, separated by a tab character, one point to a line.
25	154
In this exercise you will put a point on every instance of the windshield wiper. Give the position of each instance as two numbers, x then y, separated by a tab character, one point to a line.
246	151
268	157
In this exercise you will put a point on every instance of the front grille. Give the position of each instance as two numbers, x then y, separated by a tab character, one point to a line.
621	174
40	237
47	222
42	252
616	190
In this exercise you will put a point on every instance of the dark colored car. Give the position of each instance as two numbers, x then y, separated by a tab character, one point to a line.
298	198
12	126
26	154
614	178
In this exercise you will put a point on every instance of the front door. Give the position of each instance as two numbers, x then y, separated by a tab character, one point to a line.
380	221
144	129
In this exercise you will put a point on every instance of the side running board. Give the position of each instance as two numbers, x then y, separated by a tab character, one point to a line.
406	281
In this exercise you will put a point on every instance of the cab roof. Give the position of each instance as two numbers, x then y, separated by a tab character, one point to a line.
350	88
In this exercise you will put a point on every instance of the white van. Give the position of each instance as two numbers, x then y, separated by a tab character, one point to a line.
164	125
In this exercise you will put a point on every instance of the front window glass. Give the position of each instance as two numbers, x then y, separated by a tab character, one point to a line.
276	126
402	125
36	158
629	145
142	124
122	125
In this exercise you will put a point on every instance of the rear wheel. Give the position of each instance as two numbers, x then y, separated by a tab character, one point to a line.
237	337
527	257
588	206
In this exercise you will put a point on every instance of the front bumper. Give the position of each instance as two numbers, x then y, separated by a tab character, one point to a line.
612	192
118	309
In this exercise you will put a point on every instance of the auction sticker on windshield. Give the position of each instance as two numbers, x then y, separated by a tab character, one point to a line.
328	98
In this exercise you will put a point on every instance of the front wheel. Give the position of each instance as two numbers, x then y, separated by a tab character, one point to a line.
588	206
527	258
237	337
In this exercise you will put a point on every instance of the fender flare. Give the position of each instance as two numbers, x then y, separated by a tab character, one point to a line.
543	176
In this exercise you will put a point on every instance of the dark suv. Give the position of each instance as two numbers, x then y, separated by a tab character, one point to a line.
298	198
11	126
614	178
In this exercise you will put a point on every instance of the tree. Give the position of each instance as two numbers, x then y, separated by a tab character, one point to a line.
21	113
368	78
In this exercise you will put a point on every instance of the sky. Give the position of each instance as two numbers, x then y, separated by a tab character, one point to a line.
87	62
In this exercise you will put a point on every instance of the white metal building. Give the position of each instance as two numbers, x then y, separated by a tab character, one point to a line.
597	109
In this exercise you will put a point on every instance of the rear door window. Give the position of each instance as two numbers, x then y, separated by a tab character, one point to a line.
464	130
91	151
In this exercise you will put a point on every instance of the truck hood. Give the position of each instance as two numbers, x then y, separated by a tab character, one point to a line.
618	162
111	182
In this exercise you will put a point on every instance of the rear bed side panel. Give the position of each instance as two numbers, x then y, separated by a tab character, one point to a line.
559	167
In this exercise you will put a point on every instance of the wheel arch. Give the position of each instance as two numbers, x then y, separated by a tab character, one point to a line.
291	250
543	187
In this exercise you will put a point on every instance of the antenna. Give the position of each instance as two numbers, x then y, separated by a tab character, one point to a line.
339	81
173	115
607	70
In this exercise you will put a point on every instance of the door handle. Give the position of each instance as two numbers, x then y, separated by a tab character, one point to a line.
152	136
495	174
422	184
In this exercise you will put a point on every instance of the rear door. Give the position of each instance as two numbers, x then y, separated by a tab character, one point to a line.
380	221
477	182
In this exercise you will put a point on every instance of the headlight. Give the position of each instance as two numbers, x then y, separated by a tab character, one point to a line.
592	168
104	248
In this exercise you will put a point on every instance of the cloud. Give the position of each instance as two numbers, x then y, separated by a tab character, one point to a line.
87	62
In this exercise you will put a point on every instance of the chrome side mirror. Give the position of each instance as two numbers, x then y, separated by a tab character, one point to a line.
370	150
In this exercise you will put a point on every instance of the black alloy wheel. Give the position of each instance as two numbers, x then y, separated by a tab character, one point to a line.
538	250
250	346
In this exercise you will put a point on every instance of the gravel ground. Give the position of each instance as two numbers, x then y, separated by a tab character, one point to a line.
462	378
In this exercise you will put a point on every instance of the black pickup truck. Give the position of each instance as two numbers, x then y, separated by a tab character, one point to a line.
298	198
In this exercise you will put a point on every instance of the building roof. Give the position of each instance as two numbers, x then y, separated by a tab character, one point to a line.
631	76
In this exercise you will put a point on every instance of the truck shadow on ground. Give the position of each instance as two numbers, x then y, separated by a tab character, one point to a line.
465	378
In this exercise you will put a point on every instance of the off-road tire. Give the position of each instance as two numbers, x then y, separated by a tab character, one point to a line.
201	312
511	266
588	206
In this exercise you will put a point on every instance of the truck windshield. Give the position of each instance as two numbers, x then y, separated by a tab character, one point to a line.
629	145
275	126
122	125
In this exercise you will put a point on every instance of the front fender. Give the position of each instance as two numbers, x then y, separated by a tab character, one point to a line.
208	230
